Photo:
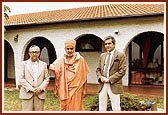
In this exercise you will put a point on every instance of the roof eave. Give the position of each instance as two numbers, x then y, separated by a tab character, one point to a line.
89	19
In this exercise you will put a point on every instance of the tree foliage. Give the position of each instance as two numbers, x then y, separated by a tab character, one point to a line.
6	11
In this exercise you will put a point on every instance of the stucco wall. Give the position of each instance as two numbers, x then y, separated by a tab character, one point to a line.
57	33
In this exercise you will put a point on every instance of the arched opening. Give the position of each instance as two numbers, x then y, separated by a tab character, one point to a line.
88	42
90	47
9	64
46	48
47	54
143	49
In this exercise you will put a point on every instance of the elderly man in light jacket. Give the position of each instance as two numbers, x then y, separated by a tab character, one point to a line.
34	79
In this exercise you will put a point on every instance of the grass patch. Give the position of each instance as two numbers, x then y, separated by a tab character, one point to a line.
13	103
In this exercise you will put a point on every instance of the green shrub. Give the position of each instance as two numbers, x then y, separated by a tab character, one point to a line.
128	102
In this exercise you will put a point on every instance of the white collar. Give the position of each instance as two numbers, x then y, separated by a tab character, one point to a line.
112	52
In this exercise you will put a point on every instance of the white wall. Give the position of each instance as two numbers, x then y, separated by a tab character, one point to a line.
57	33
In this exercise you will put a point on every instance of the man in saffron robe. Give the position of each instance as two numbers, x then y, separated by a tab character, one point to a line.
70	72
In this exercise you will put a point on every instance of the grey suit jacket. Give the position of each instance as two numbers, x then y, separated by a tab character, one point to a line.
27	80
117	71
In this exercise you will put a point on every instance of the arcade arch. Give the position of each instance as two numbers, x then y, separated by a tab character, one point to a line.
9	64
142	50
90	47
48	53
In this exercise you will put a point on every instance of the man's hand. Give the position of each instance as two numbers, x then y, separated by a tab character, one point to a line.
104	79
37	90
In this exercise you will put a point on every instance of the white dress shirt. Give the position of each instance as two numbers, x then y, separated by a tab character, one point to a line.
35	71
112	52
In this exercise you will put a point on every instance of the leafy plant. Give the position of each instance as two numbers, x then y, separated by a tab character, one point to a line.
129	102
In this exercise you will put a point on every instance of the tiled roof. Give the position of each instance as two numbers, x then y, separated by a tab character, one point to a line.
86	13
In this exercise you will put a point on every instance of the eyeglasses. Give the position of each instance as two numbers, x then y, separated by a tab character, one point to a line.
32	52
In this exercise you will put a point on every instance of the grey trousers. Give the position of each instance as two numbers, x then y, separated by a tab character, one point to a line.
33	104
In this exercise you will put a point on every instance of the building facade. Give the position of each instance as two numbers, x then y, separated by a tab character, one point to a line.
139	36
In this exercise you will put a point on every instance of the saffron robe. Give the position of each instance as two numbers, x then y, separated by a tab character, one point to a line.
70	81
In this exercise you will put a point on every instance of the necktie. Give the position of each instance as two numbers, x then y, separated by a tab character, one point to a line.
107	64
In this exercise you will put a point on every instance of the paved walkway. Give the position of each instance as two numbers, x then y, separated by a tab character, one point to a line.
146	91
140	90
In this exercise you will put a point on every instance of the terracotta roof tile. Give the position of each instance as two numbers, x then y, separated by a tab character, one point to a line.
86	13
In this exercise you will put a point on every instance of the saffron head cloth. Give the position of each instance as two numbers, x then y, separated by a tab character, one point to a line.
70	43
